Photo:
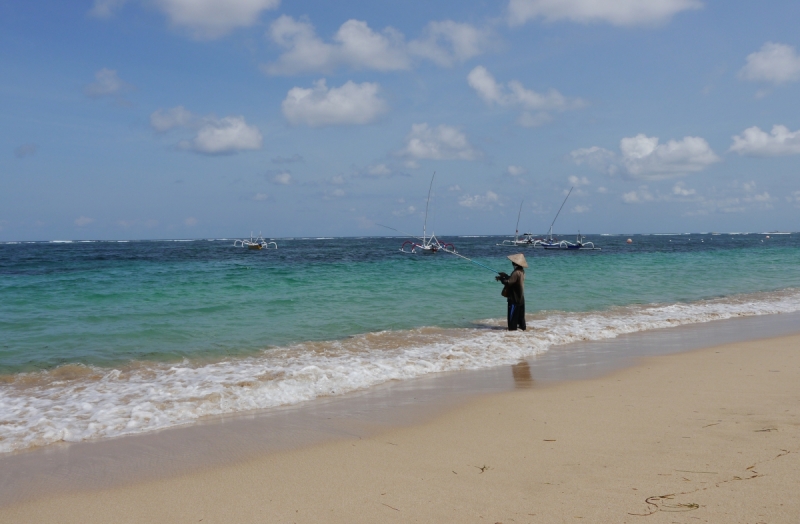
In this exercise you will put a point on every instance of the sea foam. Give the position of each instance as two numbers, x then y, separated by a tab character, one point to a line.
75	403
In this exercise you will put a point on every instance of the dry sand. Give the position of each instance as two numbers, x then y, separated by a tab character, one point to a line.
707	436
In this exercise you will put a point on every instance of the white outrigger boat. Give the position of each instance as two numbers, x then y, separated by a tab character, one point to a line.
255	243
429	245
527	239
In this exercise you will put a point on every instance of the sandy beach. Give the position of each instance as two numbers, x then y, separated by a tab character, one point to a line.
711	435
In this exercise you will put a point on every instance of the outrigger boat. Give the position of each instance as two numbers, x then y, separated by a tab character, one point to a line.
527	239
429	245
255	243
549	242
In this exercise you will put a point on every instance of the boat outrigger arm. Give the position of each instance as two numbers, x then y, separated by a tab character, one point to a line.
255	243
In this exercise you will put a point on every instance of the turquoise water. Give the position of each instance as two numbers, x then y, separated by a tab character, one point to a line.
124	322
106	303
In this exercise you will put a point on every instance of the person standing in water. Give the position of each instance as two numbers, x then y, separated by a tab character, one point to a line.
514	291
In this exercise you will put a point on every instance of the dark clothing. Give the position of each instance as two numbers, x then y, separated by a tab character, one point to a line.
514	291
516	317
515	286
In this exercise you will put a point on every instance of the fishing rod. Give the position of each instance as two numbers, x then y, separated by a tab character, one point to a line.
470	260
401	232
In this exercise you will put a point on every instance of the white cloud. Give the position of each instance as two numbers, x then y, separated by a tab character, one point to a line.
260	197
484	202
578	181
283	179
753	141
214	18
615	12
83	221
580	209
350	104
357	46
516	170
794	197
642	157
448	42
775	63
440	143
515	95
106	83
638	196
597	158
379	170
679	190
164	120
226	135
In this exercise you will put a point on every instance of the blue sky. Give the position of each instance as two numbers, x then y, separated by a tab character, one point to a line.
127	119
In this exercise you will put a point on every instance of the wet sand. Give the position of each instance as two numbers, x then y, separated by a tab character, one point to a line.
711	435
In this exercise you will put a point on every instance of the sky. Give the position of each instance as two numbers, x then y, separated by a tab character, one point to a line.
149	119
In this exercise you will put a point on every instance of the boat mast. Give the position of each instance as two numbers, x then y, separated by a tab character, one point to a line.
425	224
516	230
559	212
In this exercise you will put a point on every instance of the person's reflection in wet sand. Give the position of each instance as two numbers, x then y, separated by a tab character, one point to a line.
522	375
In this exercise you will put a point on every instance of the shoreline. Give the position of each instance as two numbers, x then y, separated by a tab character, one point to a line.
129	463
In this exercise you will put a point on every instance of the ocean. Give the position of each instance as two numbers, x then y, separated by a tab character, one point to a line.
100	339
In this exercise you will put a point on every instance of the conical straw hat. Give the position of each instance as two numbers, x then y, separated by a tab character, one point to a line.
518	259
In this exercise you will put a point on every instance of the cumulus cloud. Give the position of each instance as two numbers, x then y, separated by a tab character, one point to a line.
322	106
83	221
774	63
224	136
440	143
163	120
204	18
25	150
106	83
581	209
780	141
357	46
483	202
515	95
260	197
642	157
516	170
616	12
